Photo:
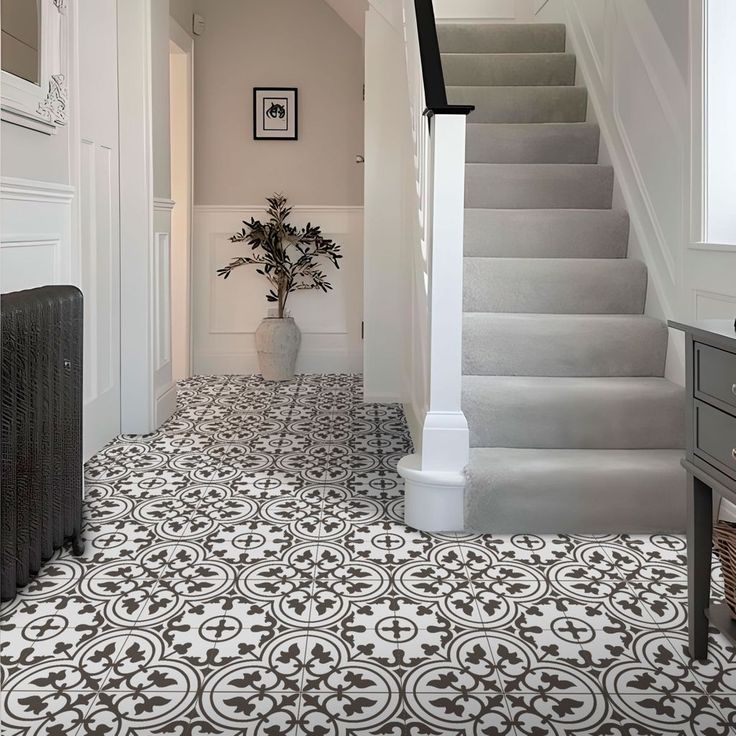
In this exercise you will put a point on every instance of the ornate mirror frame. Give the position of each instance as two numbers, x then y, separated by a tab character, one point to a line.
43	106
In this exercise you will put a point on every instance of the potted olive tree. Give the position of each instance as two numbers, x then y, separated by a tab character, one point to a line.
290	258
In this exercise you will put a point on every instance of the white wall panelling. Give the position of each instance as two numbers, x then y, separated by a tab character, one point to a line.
654	133
160	300
95	165
35	245
226	313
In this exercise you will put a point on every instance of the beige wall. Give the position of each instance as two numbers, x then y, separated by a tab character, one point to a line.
182	12
280	43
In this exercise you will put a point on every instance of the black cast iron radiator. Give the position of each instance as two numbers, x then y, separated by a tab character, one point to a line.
41	476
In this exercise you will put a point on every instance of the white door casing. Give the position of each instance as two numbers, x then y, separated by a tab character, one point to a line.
182	156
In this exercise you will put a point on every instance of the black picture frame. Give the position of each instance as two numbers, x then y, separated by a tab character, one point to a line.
290	95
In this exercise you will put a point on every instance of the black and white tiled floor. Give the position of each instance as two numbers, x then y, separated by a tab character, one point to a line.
247	572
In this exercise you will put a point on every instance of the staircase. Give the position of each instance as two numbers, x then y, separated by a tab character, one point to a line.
572	426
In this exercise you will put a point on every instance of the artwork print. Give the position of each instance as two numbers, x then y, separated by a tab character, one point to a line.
275	113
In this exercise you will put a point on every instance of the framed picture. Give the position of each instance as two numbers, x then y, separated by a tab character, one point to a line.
275	113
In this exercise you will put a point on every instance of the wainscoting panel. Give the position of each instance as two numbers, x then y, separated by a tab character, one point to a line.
712	305
160	300
100	280
35	244
228	312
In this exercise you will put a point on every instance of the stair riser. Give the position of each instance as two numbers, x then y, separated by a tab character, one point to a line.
522	104
537	346
546	233
555	186
543	493
506	38
509	69
528	414
551	286
553	143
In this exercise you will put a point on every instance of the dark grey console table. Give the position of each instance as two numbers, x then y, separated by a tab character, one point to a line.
710	464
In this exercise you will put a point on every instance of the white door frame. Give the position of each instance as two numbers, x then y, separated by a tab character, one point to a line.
185	42
136	216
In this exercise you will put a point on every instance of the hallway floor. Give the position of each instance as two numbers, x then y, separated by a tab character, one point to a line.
247	572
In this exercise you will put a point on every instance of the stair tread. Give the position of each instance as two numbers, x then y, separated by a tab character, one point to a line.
501	37
574	456
535	186
597	385
522	103
546	233
563	345
578	491
554	285
509	69
572	412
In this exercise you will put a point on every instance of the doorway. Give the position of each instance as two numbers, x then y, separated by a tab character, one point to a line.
181	58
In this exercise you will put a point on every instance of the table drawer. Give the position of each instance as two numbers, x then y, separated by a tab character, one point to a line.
715	375
715	437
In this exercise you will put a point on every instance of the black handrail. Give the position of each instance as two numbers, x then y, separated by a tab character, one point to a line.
435	92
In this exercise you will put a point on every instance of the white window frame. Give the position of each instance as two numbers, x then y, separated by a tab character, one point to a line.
702	201
41	107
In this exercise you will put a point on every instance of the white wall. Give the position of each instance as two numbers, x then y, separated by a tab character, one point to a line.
387	136
287	43
672	17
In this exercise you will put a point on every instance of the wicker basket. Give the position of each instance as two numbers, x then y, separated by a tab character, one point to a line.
724	541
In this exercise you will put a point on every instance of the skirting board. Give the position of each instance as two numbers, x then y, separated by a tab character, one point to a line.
246	363
165	405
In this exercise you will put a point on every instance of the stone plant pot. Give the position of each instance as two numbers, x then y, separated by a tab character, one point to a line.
277	343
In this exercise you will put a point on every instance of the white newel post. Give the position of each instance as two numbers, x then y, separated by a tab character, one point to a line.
435	479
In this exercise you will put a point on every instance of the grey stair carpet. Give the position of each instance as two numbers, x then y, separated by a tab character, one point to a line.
546	233
533	104
545	143
509	69
563	345
573	427
554	285
574	413
538	186
461	38
575	491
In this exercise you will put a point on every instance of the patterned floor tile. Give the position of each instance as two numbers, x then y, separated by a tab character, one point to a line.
45	713
247	572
